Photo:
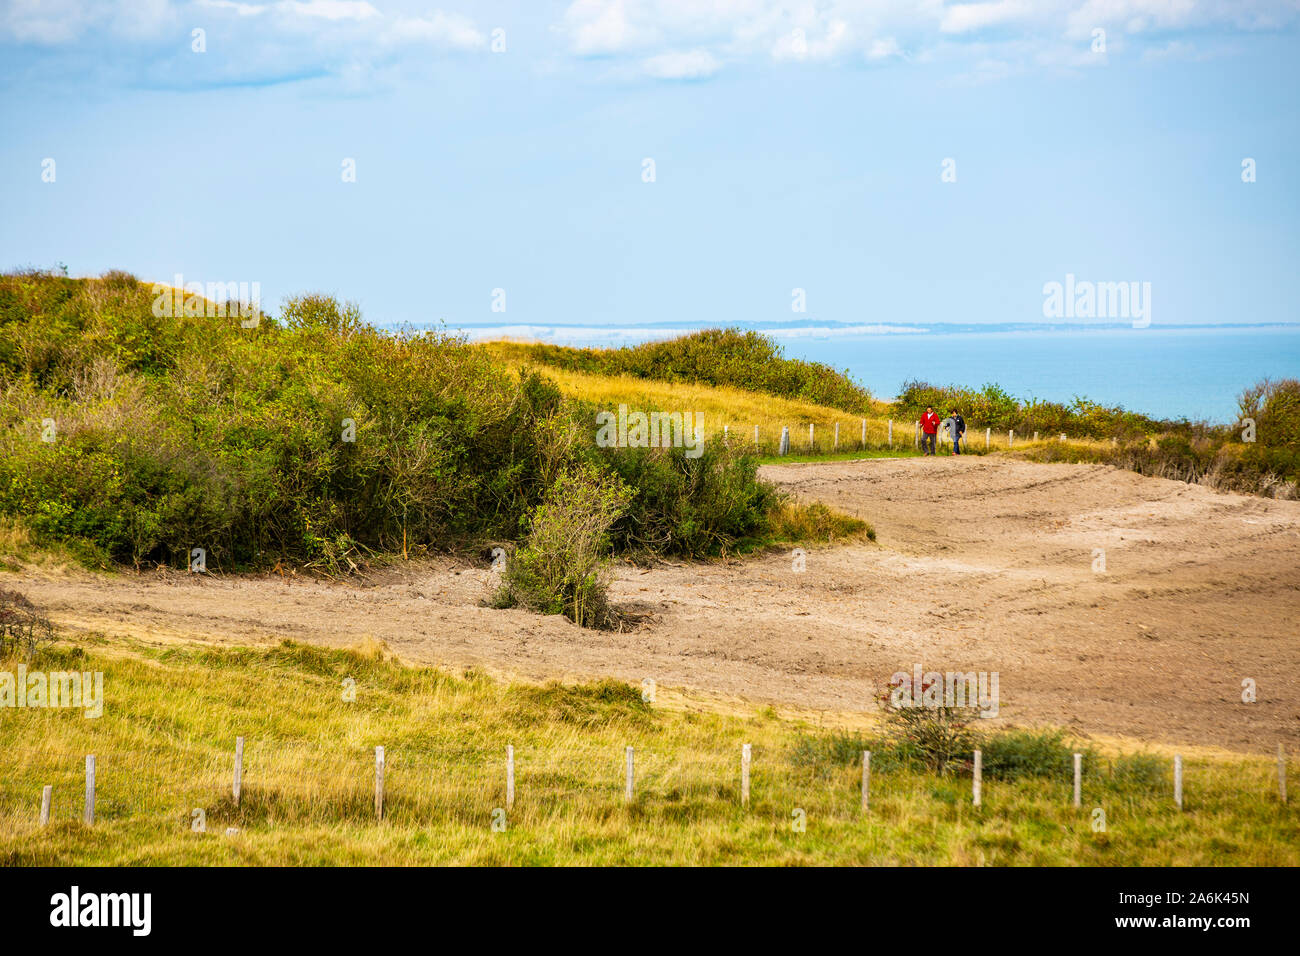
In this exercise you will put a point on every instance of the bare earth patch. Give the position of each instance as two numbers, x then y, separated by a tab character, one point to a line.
981	564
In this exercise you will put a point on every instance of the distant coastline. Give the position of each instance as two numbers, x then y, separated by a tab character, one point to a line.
589	334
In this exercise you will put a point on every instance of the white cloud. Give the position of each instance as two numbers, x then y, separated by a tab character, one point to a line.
241	9
1028	32
970	17
54	22
881	49
683	65
802	44
599	26
330	9
440	29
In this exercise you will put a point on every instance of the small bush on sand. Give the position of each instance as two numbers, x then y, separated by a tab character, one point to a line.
562	567
23	628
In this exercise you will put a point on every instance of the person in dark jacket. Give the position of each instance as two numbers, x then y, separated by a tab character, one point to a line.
957	429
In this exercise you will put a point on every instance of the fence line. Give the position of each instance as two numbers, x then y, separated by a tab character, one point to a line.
471	793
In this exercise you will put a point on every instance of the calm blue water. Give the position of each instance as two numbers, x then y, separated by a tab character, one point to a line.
1172	373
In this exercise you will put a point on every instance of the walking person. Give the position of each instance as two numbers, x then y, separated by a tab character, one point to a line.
957	429
929	429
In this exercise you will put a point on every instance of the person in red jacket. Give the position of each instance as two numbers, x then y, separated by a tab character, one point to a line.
929	429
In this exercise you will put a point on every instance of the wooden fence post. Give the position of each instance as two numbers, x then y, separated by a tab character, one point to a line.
864	433
89	815
1035	436
379	783
811	446
238	785
46	793
916	435
1078	779
1011	437
745	753
977	780
988	437
866	780
1178	780
784	448
755	434
836	446
627	789
510	776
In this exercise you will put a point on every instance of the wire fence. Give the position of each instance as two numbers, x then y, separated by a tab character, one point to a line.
281	782
862	434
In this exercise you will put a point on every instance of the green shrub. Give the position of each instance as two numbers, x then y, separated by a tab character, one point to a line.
191	431
311	437
692	507
1012	754
562	567
1141	772
938	737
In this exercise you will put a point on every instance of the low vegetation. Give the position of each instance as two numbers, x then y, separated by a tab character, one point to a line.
562	567
722	357
131	434
24	629
164	759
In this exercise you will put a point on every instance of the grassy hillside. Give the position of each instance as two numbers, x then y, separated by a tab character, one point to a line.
131	434
164	749
736	408
729	358
1264	461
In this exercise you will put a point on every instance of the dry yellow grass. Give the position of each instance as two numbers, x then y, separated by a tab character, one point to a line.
164	749
736	409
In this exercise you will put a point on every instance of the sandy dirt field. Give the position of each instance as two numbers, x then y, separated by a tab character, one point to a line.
981	564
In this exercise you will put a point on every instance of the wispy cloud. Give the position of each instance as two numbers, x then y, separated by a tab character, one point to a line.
661	39
682	65
1032	33
246	43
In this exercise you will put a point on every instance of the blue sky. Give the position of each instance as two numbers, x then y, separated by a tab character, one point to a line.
796	145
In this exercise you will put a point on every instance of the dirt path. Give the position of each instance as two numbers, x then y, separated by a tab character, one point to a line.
981	564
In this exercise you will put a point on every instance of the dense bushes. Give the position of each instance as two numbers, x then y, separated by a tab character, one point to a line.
730	357
691	506
315	437
311	437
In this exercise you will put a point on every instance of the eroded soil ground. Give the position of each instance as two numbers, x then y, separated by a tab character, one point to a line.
981	564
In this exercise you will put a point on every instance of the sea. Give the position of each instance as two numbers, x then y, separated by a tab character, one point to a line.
1175	372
